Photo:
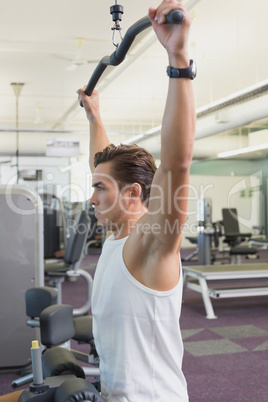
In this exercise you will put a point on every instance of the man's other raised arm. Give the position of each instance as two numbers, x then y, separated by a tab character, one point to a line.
98	139
178	126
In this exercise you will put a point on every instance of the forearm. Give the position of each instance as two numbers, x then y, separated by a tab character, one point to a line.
178	126
98	140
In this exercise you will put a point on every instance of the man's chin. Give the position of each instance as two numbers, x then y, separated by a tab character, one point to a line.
106	224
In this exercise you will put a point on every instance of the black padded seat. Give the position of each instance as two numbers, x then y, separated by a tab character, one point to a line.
56	324
58	266
83	329
77	389
37	299
243	250
74	248
234	237
59	361
192	239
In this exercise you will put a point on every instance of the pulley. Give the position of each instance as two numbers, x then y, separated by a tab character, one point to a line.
116	10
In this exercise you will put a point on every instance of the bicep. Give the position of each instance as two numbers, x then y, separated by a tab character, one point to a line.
168	204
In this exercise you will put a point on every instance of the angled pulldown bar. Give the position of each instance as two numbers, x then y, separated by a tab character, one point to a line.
174	17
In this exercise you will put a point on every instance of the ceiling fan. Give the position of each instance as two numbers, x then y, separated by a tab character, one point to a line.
78	60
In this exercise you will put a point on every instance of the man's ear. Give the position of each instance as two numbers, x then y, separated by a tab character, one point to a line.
135	191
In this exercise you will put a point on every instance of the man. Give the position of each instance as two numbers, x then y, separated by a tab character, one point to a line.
138	283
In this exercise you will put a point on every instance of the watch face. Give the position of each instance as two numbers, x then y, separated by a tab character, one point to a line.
194	69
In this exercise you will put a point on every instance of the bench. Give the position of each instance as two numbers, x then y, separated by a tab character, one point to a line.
196	278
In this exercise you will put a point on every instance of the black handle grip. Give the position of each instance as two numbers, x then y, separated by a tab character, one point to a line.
173	17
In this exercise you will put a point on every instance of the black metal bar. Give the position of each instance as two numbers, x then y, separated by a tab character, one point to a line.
175	17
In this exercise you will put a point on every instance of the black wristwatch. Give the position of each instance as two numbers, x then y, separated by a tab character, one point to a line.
188	72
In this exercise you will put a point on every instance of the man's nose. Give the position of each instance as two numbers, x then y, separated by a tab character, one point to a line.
93	199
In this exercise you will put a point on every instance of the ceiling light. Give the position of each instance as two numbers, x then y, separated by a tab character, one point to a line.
243	95
153	130
139	136
241	151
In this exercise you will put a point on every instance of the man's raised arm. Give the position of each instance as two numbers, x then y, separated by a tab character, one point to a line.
178	128
98	139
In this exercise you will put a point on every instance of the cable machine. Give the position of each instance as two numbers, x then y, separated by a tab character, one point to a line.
174	17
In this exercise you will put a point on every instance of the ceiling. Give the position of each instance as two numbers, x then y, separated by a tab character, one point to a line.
53	47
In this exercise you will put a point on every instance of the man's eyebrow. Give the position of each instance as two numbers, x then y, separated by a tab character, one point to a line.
97	184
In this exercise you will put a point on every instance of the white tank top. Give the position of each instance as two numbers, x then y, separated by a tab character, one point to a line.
137	334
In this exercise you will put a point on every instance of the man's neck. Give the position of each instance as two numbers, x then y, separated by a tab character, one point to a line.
125	228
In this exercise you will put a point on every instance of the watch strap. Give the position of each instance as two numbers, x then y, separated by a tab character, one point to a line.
188	72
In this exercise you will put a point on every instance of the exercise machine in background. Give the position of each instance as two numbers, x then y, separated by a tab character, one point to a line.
237	241
55	222
57	271
57	327
22	268
208	234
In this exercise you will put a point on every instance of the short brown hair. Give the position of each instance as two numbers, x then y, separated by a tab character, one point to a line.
131	164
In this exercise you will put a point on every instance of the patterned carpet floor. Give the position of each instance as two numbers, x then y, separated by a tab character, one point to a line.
225	359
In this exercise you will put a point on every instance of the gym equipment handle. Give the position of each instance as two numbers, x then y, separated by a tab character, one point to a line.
174	17
36	363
